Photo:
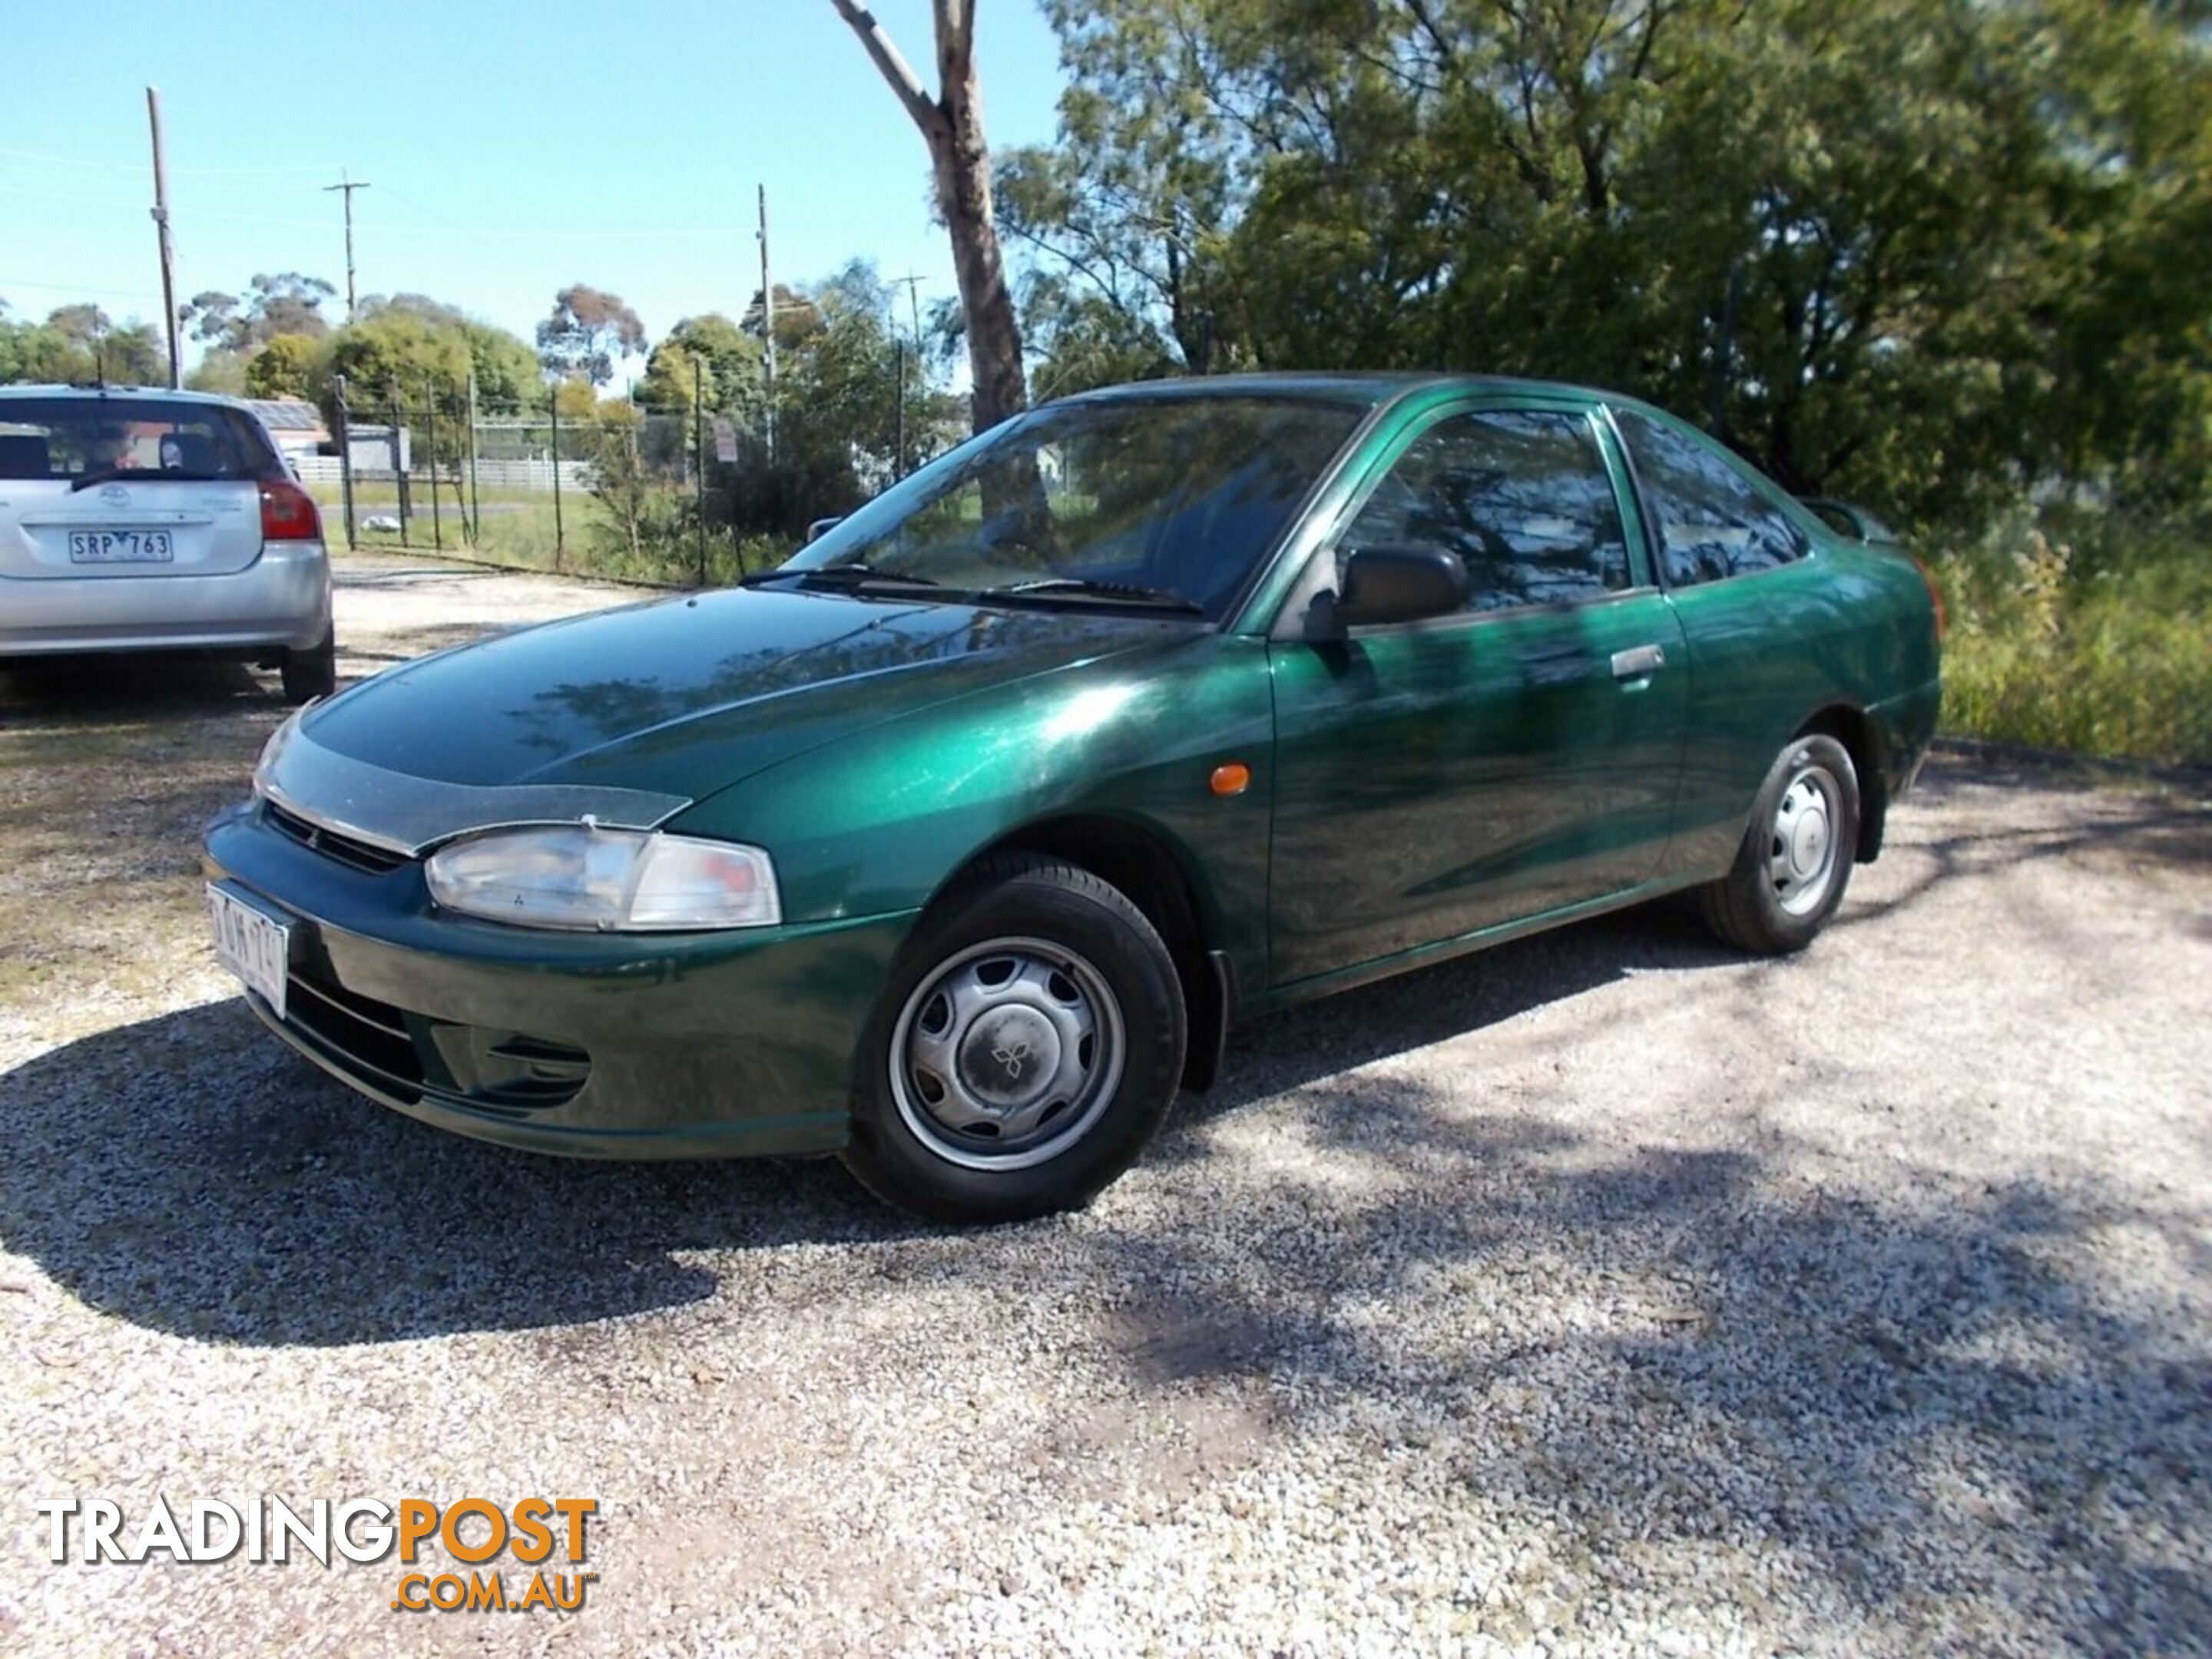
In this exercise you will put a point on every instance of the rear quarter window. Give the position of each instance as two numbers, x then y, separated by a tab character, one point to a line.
1712	521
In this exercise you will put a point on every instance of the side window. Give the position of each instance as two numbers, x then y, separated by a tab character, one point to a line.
1523	497
1713	521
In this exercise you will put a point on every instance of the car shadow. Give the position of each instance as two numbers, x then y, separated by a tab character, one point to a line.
1316	1040
190	1175
143	685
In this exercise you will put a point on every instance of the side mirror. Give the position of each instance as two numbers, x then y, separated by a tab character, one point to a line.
1400	585
820	528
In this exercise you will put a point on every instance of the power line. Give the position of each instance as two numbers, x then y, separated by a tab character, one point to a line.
588	233
47	160
80	287
409	201
30	174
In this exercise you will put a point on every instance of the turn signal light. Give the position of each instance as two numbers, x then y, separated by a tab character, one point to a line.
1935	597
288	513
1233	779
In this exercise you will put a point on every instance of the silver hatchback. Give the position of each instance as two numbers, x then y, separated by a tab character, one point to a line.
135	519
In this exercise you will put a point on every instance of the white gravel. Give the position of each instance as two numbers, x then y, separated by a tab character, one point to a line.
1604	1294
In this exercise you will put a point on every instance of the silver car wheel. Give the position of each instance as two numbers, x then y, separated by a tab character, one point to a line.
1006	1054
1801	850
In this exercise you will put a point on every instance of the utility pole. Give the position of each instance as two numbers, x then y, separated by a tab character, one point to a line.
913	282
348	185
768	324
162	226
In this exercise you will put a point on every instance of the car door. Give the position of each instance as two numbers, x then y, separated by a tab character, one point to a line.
1434	779
1762	623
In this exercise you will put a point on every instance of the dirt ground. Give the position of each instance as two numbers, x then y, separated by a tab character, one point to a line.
1603	1293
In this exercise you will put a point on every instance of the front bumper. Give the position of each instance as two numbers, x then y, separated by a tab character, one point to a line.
282	599
591	1045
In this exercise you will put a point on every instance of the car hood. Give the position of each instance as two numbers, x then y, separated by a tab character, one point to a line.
685	697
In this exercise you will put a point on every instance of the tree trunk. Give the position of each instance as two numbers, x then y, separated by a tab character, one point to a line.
964	196
952	126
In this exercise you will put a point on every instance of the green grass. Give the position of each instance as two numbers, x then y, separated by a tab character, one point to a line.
2096	638
523	531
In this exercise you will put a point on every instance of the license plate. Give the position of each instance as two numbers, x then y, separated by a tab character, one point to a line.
253	944
120	547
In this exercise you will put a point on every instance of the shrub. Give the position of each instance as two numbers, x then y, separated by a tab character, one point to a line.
2092	635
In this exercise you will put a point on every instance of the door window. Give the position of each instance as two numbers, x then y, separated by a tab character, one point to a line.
1521	495
1712	521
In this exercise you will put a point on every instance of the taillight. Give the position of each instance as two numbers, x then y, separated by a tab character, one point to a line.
288	513
1935	597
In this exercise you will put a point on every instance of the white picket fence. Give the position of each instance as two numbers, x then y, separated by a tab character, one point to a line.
491	475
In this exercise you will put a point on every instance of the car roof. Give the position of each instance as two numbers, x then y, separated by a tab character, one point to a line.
99	391
1366	387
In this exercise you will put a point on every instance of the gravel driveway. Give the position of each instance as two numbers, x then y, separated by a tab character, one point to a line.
1605	1293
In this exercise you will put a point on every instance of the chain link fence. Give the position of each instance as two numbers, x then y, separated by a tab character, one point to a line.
630	490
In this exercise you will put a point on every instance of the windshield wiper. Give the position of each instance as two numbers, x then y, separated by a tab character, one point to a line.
1084	587
144	475
839	575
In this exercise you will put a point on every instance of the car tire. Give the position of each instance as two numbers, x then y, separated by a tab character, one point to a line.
1027	1047
1795	858
312	673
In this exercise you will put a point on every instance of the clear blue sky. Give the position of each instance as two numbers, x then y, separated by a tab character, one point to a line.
510	149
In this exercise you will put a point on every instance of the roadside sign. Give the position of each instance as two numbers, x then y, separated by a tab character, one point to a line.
725	440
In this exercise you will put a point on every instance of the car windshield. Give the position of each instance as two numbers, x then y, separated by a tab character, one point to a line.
71	439
1123	500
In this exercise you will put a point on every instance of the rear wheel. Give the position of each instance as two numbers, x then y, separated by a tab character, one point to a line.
312	673
1027	1047
1795	860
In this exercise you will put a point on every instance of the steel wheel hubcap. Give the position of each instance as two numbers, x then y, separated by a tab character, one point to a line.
1006	1054
1802	849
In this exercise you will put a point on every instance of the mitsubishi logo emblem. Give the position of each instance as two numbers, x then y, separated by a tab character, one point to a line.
1013	1056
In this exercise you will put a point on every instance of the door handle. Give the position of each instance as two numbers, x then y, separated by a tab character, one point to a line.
1638	661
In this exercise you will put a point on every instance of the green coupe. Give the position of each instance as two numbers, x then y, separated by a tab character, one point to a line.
956	845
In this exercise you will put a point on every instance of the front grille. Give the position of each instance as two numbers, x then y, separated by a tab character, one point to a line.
355	854
372	1035
411	1057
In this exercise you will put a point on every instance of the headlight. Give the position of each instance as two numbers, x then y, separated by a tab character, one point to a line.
266	766
580	876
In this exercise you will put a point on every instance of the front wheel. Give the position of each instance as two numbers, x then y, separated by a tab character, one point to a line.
1027	1047
312	673
1795	860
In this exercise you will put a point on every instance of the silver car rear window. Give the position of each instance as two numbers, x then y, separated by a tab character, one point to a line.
70	438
